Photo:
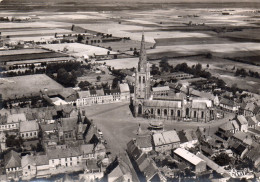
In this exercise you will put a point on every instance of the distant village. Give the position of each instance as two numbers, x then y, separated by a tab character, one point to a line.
45	131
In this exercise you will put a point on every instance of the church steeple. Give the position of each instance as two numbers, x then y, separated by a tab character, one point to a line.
142	58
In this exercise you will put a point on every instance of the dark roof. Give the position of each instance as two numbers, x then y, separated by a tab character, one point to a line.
130	146
238	148
92	92
227	102
144	141
150	171
182	137
136	153
12	159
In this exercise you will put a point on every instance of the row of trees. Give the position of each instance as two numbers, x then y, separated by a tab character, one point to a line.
242	72
26	72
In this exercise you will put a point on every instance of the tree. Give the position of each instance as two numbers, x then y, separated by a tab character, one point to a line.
80	38
222	159
98	78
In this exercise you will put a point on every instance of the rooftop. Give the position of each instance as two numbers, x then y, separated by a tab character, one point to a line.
27	126
190	157
144	141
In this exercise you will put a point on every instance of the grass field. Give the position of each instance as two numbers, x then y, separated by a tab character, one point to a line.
21	57
22	51
28	85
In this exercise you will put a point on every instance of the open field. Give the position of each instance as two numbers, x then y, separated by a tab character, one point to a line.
35	38
78	50
21	57
22	51
28	85
50	24
92	78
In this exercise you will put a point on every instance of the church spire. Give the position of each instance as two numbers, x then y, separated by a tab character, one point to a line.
142	58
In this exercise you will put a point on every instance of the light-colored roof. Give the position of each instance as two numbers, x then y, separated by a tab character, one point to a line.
84	94
227	126
199	105
87	148
165	138
235	124
171	136
48	127
28	159
190	157
162	103
244	137
158	139
160	89
124	87
14	118
252	120
241	119
100	92
27	126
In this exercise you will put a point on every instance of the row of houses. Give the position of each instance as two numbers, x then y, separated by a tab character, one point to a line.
239	123
44	165
104	96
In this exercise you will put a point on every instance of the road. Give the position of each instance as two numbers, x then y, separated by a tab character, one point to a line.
119	126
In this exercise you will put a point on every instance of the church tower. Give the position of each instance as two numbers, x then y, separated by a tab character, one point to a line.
142	90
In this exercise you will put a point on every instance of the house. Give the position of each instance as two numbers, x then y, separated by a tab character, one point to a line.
29	129
87	151
11	122
69	157
124	92
144	143
226	128
187	138
228	105
166	141
152	173
253	156
84	98
2	141
49	128
28	165
42	165
93	171
242	122
196	163
120	173
242	138
100	150
247	109
12	163
252	121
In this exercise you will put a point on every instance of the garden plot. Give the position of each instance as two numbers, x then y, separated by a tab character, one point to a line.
78	50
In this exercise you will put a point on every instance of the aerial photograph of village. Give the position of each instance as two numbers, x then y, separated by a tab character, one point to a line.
130	90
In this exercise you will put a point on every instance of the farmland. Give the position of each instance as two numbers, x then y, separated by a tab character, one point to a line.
21	57
22	51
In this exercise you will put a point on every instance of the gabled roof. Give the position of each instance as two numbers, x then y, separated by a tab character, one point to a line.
150	171
251	120
41	160
63	153
87	148
227	126
28	160
228	102
165	138
14	118
28	126
190	157
48	127
144	141
12	159
100	92
160	89
124	87
84	94
163	103
243	137
241	120
68	124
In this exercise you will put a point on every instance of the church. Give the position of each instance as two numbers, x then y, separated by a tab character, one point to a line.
147	105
